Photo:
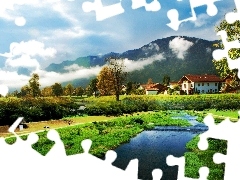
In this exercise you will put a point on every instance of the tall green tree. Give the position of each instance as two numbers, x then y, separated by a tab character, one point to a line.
57	89
166	80
79	91
93	86
129	87
35	85
25	91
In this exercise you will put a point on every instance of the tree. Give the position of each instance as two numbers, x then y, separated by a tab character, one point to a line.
25	91
150	81
117	68
35	85
129	88
69	89
233	33
166	80
93	86
57	89
47	91
105	81
79	91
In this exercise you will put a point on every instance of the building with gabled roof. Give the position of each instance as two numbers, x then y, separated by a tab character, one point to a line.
201	84
153	89
230	84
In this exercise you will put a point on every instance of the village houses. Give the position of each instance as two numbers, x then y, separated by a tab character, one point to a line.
201	84
192	83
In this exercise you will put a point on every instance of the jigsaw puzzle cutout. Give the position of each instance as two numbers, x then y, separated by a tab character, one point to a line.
229	131
173	14
226	130
231	17
228	45
153	6
68	167
180	162
21	151
103	12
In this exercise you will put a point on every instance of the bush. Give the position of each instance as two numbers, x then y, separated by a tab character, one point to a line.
35	109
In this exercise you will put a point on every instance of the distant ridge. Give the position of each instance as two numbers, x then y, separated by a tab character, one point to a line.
197	60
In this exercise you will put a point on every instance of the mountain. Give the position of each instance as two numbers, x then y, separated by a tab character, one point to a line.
173	56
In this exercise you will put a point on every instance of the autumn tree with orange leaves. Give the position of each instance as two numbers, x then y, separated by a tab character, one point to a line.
112	77
105	81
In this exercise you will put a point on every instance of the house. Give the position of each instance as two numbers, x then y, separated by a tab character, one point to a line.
230	85
153	89
200	83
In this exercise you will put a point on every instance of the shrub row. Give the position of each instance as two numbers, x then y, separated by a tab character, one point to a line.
35	109
138	104
38	109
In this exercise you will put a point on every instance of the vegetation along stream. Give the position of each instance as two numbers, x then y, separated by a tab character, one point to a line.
151	147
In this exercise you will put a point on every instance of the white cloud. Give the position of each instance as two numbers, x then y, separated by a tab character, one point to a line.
7	7
27	54
49	78
30	48
151	46
201	20
63	10
73	67
74	32
23	61
12	79
20	21
11	8
141	63
180	46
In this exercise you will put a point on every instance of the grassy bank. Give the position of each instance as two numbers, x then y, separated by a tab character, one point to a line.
196	158
106	134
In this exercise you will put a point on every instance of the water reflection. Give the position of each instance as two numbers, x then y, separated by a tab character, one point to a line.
153	146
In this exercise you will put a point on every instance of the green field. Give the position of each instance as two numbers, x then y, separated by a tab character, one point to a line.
109	131
105	134
232	114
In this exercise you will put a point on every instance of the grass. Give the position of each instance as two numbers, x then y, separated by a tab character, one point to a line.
196	158
104	134
55	124
232	114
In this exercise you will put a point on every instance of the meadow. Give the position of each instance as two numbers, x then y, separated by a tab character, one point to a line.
104	134
120	121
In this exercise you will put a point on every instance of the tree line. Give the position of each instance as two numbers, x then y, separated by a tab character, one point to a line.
111	80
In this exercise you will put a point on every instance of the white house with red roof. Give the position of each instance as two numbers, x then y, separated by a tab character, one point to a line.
201	84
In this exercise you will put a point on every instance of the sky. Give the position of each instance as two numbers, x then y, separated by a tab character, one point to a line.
36	33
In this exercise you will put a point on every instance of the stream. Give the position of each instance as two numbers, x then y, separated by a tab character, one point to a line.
151	147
